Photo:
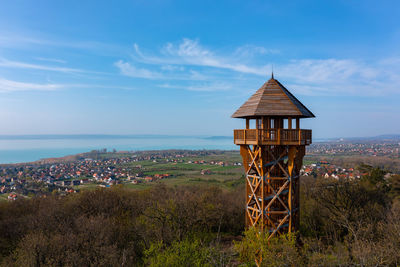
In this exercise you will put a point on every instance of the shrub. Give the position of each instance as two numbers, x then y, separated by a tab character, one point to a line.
275	251
179	253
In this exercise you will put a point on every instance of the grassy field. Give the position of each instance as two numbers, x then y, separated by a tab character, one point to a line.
185	173
190	173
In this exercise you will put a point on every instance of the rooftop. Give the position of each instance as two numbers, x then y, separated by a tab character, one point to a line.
273	99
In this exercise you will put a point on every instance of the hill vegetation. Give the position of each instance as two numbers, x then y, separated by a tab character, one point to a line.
342	223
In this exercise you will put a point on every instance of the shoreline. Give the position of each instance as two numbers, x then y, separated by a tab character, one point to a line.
83	155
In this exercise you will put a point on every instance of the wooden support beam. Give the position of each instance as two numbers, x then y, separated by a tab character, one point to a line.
263	123
272	201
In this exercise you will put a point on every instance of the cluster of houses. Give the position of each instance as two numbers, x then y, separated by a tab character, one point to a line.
219	163
12	196
138	179
390	149
326	170
43	177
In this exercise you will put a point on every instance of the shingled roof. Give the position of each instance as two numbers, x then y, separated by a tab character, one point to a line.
272	99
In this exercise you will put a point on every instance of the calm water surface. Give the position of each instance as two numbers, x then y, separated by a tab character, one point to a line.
26	149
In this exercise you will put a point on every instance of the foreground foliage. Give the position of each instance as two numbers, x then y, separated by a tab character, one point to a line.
276	251
112	227
343	223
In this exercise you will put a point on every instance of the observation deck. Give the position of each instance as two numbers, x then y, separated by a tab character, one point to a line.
295	137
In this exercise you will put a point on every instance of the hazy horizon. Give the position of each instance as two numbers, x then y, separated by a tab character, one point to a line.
100	135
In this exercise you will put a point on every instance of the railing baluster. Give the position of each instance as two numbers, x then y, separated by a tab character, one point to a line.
273	136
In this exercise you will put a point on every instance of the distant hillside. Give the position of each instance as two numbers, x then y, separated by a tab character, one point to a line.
385	137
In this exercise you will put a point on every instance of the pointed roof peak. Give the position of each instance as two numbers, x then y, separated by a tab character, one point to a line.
272	72
273	99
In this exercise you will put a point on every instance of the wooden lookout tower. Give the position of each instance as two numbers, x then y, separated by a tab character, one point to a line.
272	153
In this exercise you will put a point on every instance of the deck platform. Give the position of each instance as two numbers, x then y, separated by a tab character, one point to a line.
295	137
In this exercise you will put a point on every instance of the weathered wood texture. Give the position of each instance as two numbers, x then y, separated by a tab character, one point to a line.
272	137
272	157
273	99
272	187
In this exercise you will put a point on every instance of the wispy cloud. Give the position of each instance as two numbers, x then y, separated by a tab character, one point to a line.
7	85
24	65
165	72
190	52
32	41
55	60
5	63
15	86
250	51
202	87
306	76
343	76
13	40
130	70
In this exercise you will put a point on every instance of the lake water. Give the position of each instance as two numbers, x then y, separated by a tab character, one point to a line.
14	149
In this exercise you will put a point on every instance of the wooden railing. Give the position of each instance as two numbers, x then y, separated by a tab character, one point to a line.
273	136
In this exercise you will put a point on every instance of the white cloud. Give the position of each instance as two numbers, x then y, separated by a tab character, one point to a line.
306	76
202	87
23	65
190	52
342	76
172	68
14	86
55	60
36	40
130	70
250	51
133	71
7	85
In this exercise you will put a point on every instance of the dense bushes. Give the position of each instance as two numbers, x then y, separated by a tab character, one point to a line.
343	223
351	223
277	251
113	227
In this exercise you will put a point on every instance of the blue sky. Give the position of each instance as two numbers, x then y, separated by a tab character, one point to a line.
183	67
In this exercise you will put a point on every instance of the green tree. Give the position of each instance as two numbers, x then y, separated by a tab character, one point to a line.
395	187
275	251
179	253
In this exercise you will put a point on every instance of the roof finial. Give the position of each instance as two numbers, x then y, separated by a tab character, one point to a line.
272	74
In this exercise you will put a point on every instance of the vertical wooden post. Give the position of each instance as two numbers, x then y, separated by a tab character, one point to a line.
290	203
279	136
273	202
299	136
280	123
257	128
262	174
262	132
